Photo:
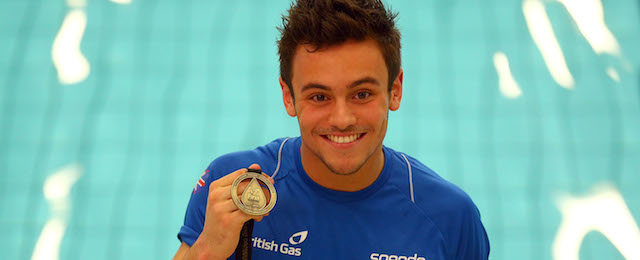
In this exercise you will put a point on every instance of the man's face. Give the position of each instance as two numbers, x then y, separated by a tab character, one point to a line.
342	103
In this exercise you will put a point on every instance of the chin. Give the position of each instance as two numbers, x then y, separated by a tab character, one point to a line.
344	168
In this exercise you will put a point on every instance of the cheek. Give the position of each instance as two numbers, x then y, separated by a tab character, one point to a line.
309	118
375	115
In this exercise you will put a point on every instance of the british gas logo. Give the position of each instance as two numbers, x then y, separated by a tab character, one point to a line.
302	235
282	248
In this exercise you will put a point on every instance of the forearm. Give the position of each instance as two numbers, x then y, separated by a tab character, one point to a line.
199	251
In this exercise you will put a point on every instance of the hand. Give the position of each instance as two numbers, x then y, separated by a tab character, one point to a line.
223	220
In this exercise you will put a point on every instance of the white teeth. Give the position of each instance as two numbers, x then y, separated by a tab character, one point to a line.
343	139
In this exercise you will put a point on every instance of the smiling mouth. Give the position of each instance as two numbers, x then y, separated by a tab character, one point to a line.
343	139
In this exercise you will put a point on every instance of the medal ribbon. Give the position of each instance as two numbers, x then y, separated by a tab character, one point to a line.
243	250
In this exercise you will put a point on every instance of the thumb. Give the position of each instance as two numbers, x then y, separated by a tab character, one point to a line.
255	166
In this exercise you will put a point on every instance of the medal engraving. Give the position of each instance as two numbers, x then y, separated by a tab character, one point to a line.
253	201
253	198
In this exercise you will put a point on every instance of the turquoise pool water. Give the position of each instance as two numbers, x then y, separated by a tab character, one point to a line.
173	84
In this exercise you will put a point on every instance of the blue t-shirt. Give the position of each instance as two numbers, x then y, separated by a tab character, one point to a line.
408	213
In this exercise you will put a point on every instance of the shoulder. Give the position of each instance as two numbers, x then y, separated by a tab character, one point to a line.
444	203
439	195
266	156
450	208
430	191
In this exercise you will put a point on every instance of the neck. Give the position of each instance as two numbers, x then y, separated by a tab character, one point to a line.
323	176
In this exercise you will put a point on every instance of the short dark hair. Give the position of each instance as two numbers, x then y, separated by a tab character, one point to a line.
324	23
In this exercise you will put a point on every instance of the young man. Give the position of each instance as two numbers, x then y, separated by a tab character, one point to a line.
341	193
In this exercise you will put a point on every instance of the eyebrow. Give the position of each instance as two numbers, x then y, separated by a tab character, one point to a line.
352	85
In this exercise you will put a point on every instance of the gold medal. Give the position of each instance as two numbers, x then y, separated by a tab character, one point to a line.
253	201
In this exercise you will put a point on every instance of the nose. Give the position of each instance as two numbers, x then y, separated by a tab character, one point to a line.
342	117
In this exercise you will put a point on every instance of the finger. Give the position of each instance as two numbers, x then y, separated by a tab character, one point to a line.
269	178
255	166
226	206
228	179
242	217
243	185
220	193
267	214
258	218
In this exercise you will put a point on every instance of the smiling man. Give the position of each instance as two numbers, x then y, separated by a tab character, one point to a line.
341	194
342	106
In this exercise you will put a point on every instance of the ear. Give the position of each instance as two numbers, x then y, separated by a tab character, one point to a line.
395	96
287	98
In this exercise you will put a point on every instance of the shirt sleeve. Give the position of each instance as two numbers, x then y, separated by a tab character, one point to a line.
473	243
194	217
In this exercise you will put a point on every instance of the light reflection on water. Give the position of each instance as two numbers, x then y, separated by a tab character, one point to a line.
602	210
56	190
589	16
542	32
507	84
73	67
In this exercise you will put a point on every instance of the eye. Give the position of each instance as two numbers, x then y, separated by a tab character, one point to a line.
318	98
362	95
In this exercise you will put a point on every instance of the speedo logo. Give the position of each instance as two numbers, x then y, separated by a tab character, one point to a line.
282	248
377	256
